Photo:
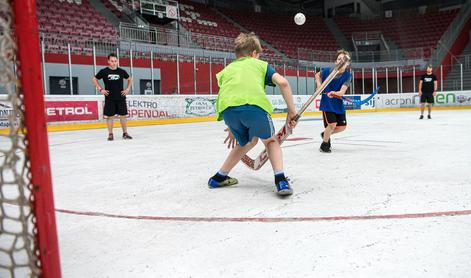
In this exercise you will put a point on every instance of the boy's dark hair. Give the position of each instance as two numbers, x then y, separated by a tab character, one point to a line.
112	55
246	43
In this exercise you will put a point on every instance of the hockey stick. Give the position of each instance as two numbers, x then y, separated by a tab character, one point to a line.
360	102
285	131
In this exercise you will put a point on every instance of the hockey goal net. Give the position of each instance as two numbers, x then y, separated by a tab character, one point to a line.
28	238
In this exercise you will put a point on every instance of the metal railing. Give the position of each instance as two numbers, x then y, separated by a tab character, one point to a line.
420	53
401	78
58	43
300	74
170	37
155	35
367	36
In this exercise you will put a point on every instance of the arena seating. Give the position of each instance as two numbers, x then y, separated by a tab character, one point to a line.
72	22
412	31
59	18
284	34
115	6
200	19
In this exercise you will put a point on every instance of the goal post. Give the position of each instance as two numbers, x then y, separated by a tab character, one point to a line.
28	237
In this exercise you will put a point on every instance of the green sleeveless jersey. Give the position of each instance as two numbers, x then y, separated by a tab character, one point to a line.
242	82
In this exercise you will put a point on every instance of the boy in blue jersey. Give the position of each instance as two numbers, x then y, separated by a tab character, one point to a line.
246	110
332	107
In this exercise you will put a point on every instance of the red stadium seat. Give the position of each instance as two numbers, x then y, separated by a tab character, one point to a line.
418	31
60	23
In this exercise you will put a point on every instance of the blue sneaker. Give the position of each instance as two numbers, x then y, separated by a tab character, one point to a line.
212	183
283	188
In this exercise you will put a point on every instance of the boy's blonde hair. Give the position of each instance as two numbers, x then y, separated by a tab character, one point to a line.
342	51
246	43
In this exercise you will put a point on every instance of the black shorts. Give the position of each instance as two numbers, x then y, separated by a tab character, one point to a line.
331	117
426	98
115	107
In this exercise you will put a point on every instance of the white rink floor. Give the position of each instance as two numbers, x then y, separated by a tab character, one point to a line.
119	203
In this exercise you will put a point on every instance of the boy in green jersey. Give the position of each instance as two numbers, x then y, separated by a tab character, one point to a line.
243	105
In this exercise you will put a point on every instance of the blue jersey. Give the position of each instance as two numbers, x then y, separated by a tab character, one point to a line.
334	104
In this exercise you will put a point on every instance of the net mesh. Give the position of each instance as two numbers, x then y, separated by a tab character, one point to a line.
18	246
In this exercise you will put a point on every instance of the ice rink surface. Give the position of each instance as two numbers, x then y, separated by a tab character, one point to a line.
393	199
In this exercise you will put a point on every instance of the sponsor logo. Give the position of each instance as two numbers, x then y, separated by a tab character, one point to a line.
412	100
279	105
298	103
4	124
200	106
7	115
143	113
113	76
64	111
6	111
400	101
462	98
57	111
352	106
371	103
445	98
149	104
146	109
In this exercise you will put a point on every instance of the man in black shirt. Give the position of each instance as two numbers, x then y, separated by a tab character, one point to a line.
115	95
427	90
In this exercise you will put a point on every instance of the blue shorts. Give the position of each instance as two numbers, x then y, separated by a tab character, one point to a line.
247	122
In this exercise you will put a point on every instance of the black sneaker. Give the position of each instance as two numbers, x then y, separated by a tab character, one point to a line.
322	136
429	117
325	148
126	136
110	137
421	117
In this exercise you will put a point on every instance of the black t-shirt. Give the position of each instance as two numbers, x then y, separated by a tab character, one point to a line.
113	80
428	83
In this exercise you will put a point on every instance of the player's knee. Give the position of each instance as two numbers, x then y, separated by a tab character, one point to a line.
270	140
332	126
254	141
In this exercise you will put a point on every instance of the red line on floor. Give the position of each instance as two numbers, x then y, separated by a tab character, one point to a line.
269	219
298	138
